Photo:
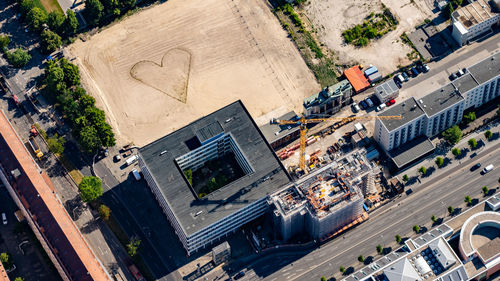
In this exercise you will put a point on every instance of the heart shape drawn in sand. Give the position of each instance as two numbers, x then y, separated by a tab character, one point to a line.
170	78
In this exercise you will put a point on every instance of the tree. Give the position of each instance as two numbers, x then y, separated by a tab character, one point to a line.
93	11
439	161
25	6
488	134
71	73
50	41
448	10
105	134
450	210
89	139
56	144
398	239
55	21
485	190
452	134
36	18
456	3
18	58
104	212
422	170
456	152
19	279
469	117
361	258
128	4
342	269
70	23
6	260
323	278
405	178
472	143
379	249
133	246
468	200
85	102
90	188
54	75
434	219
4	43
110	5
416	228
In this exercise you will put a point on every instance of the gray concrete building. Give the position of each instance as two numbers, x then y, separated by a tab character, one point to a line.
473	20
387	91
329	100
202	217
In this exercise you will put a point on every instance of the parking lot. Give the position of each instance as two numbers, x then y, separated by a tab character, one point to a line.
18	240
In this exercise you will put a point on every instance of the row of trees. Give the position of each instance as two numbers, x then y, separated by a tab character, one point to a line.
17	58
62	80
53	27
97	10
7	263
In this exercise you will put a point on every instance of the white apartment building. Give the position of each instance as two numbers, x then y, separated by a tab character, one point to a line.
474	19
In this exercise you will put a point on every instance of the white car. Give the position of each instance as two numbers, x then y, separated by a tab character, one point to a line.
355	107
488	168
4	218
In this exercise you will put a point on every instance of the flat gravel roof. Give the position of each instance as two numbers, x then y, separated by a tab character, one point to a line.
408	110
269	174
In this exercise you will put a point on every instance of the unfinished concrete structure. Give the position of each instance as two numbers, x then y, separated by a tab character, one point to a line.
322	202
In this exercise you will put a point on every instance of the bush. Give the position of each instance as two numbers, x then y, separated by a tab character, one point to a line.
488	134
56	144
398	239
405	178
361	258
19	58
422	170
90	188
485	190
433	218
472	143
379	249
439	162
469	117
450	210
416	228
456	152
133	247
452	134
342	269
104	212
468	200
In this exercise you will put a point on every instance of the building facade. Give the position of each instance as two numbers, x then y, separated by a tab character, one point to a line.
329	100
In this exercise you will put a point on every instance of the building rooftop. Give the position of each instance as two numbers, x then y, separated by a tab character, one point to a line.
440	99
37	193
486	69
327	93
408	110
356	78
193	214
474	13
465	83
401	270
386	88
408	152
3	274
472	240
273	132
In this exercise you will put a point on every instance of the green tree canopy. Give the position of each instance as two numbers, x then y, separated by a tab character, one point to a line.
71	73
416	228
405	178
55	21
422	170
485	190
104	212
25	6
133	247
433	218
472	143
469	117
19	279
93	11
89	139
70	23
453	134
456	152
468	200
50	41
488	134
90	188
379	249
439	161
398	239
4	42
56	144
36	18
19	58
450	209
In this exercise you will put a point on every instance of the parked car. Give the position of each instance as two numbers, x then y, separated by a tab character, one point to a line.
381	107
409	72
453	76
426	68
369	102
414	71
460	72
488	169
363	104
398	84
239	275
473	155
391	102
355	107
475	167
117	158
136	174
4	218
405	76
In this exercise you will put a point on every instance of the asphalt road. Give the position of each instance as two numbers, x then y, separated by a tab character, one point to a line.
398	217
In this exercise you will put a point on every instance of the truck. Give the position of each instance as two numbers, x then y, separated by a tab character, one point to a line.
135	272
131	160
36	149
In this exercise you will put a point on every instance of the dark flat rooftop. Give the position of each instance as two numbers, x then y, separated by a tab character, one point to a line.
407	109
269	174
486	69
273	132
411	150
440	99
465	83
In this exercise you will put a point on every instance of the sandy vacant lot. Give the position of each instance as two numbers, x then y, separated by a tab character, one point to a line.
164	67
331	17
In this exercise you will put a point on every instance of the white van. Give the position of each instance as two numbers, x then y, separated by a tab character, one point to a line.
4	218
488	168
136	174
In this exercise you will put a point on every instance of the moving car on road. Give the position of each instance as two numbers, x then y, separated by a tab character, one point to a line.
475	167
488	169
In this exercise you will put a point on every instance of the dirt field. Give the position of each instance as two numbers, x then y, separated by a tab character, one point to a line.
331	17
169	65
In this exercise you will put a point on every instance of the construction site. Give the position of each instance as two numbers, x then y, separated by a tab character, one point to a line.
323	203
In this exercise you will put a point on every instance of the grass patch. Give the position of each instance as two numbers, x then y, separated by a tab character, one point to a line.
48	5
375	26
320	62
73	172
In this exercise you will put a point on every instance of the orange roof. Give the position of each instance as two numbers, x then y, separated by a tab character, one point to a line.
42	184
356	78
3	274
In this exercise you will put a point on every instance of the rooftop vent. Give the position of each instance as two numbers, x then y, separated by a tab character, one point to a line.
421	101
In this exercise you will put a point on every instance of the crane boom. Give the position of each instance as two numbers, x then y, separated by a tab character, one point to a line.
303	121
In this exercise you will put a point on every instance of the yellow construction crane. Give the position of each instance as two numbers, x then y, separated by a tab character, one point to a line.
303	121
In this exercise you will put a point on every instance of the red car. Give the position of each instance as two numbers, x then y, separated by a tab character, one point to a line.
391	102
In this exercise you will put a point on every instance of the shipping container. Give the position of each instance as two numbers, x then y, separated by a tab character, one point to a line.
375	77
371	70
